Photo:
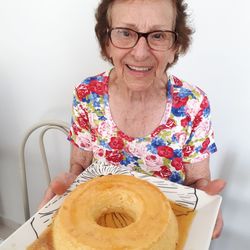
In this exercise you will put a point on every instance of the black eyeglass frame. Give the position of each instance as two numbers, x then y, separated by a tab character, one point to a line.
142	34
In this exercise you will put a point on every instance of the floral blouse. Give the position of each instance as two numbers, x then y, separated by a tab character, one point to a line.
183	136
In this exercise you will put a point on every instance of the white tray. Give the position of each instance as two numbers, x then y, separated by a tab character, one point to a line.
200	233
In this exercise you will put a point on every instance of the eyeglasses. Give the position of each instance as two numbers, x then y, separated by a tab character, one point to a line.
125	38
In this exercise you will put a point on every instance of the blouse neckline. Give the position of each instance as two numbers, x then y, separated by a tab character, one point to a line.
164	118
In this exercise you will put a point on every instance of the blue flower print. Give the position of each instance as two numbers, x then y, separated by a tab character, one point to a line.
104	144
206	112
185	92
156	142
212	148
178	153
179	112
176	177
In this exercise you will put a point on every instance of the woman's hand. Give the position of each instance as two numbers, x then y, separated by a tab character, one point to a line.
58	186
212	188
198	176
79	160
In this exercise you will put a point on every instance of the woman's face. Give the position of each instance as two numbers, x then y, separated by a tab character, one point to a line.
140	67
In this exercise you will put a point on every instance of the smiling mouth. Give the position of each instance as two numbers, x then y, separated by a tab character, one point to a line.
139	69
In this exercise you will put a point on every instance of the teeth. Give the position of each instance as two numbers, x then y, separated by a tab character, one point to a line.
139	68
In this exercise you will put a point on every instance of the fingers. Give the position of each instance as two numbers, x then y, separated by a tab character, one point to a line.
218	226
62	182
211	187
57	186
49	194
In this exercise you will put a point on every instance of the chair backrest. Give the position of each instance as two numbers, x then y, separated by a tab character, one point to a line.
43	127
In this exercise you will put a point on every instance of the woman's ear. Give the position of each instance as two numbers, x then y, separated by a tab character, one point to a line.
173	54
175	51
111	60
108	53
108	49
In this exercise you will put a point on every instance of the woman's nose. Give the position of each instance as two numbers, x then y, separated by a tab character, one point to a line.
141	49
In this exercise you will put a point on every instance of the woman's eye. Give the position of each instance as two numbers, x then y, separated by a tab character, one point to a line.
158	36
124	33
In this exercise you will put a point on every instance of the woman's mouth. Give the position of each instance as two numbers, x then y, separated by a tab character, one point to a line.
139	68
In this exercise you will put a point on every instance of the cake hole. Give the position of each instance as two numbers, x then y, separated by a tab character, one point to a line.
115	219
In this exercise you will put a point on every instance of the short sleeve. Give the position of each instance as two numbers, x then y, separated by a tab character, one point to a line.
80	131
200	143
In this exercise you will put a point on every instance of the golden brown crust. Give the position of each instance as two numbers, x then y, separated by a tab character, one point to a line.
146	215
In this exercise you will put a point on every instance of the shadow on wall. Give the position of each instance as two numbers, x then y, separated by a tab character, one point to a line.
235	205
229	242
10	193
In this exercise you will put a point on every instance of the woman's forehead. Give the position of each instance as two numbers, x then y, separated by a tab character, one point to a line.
142	13
148	13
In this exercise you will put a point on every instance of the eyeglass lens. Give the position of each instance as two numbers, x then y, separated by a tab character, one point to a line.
128	38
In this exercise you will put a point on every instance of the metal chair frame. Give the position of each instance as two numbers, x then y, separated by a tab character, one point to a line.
48	125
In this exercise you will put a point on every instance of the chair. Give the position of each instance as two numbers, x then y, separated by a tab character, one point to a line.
43	127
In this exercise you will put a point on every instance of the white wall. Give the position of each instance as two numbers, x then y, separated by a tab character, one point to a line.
47	46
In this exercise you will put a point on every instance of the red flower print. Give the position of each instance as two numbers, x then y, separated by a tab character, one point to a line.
200	113
151	157
177	81
124	136
116	143
197	120
82	91
170	123
101	152
204	103
158	130
93	134
178	101
114	156
165	151
83	120
75	129
205	145
163	173
185	121
98	87
187	150
177	163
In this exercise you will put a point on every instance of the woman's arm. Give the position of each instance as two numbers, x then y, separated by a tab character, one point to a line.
195	172
79	159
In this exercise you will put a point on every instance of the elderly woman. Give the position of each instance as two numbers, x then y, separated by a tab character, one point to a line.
136	115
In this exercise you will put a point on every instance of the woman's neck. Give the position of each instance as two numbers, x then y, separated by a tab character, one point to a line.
157	90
